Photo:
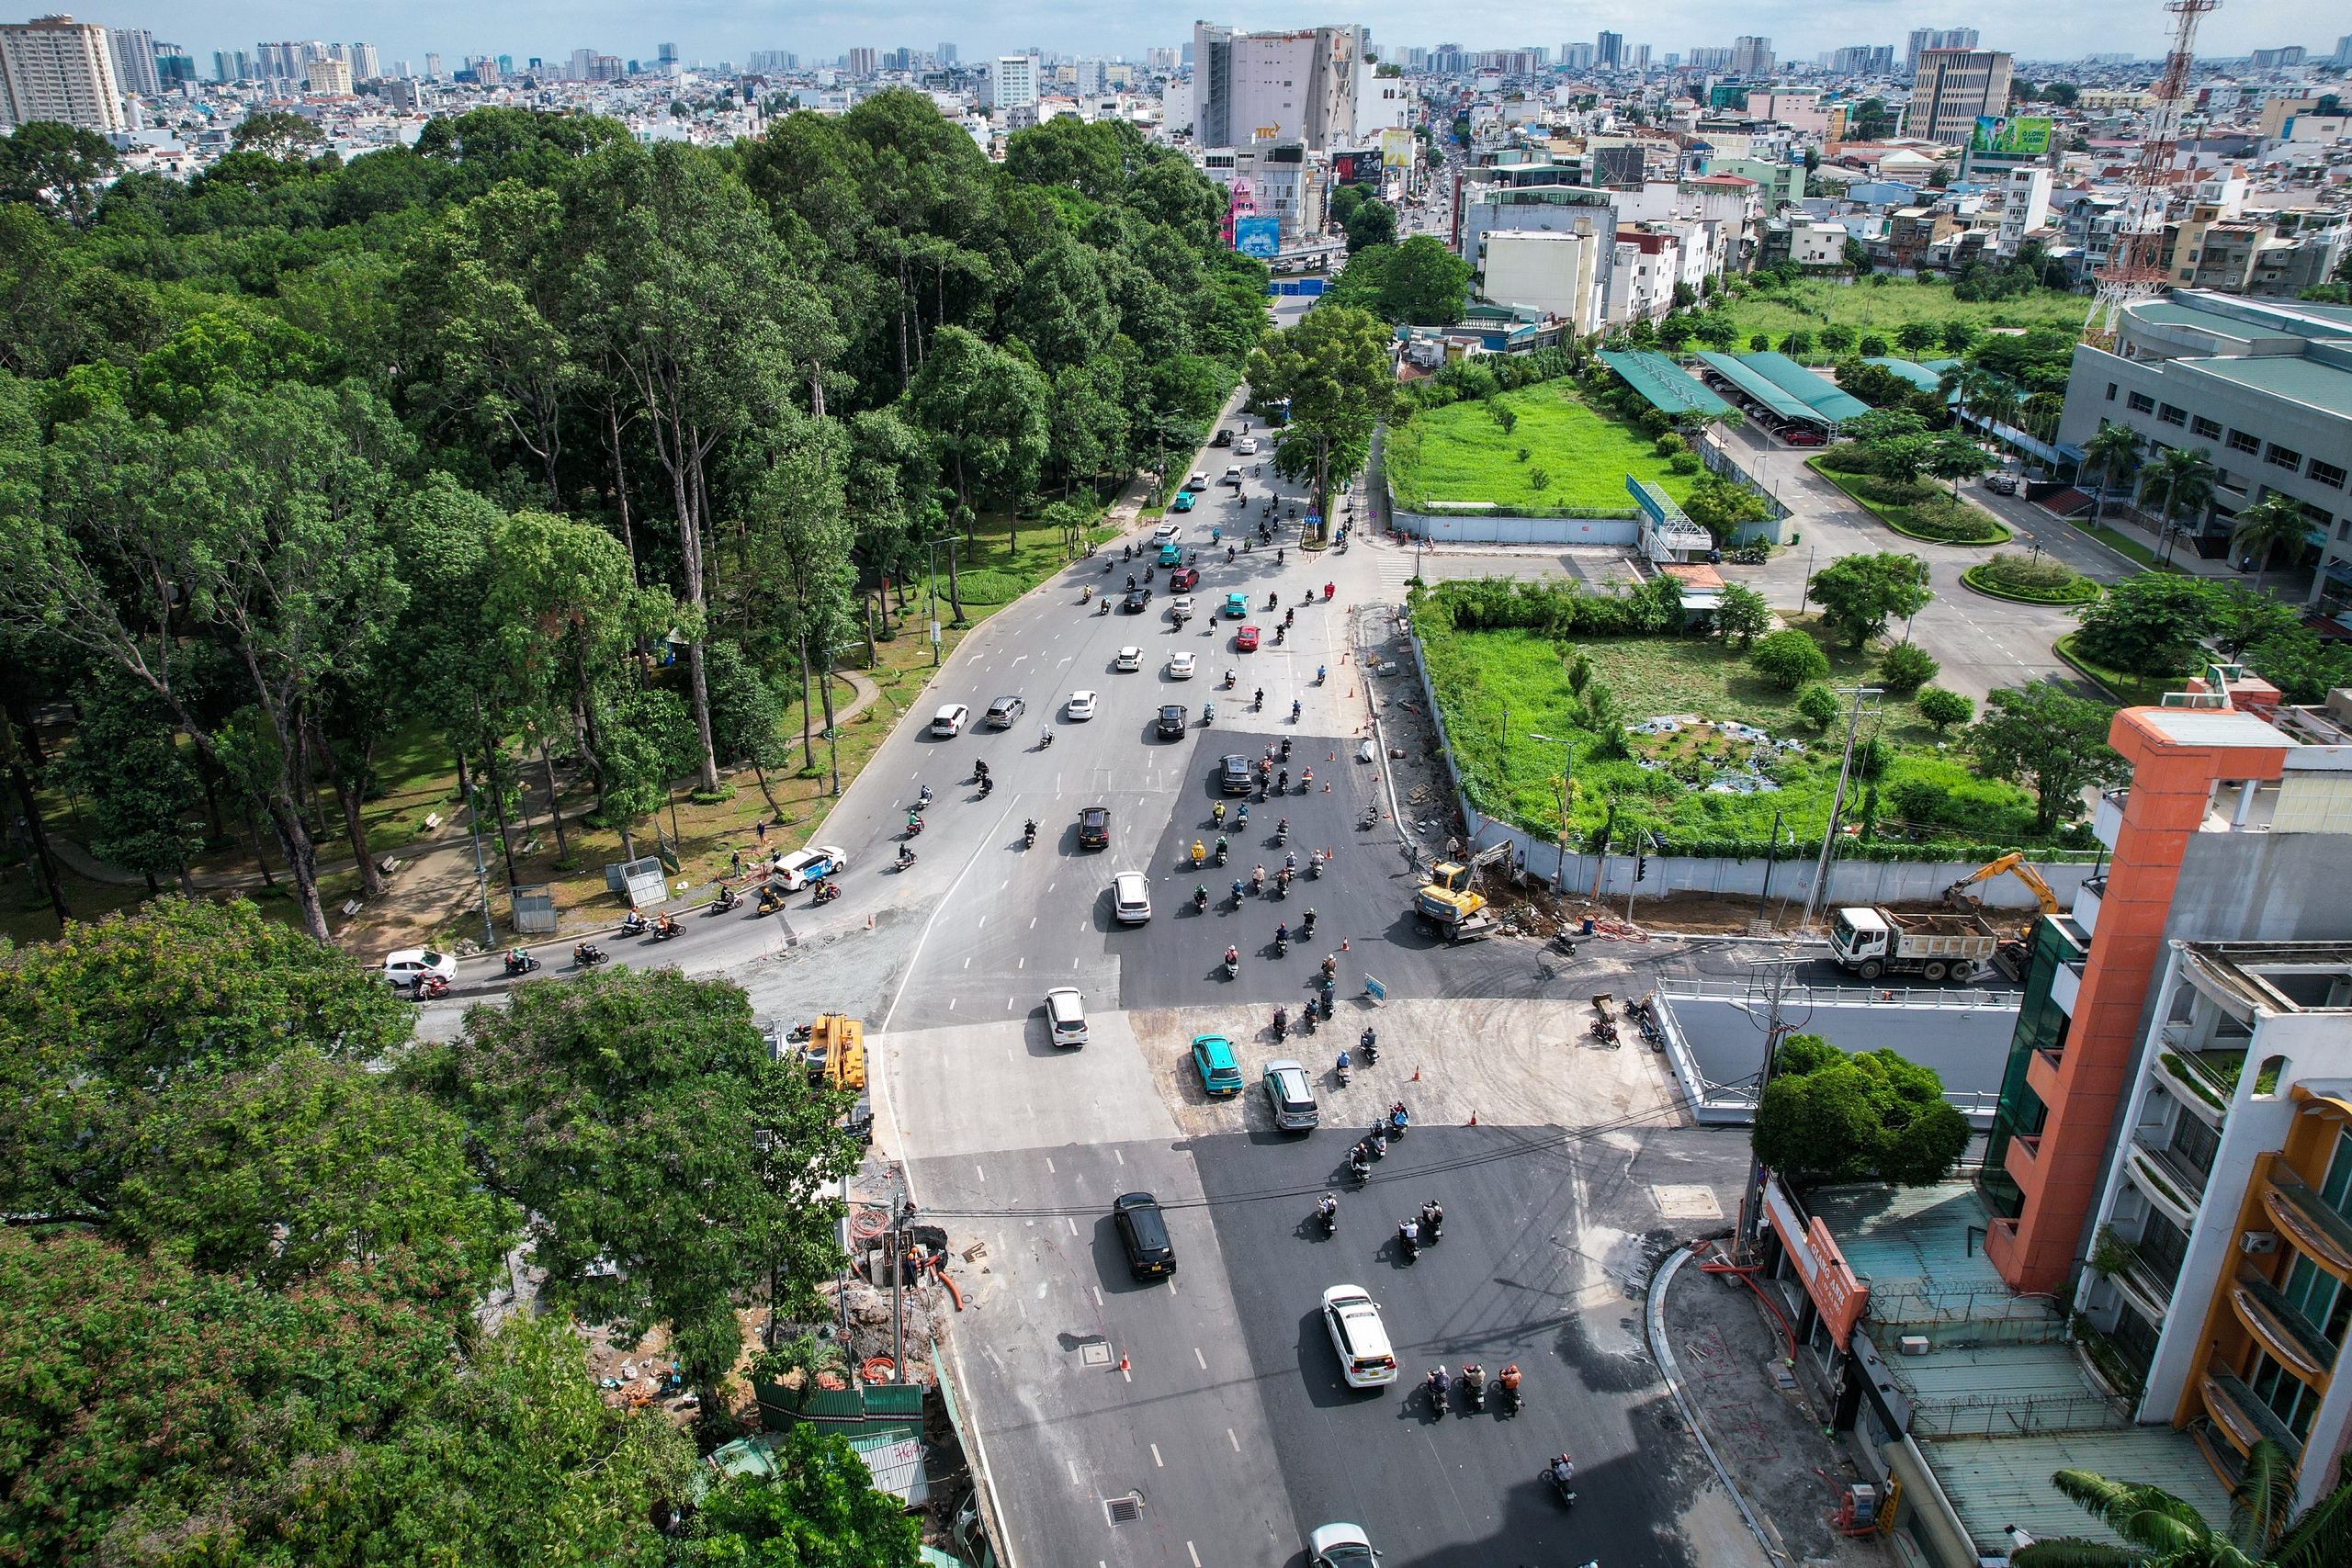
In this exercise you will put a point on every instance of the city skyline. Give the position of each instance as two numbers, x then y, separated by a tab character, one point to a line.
709	35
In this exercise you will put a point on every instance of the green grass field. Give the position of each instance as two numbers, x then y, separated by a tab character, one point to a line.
1485	679
1460	453
1816	303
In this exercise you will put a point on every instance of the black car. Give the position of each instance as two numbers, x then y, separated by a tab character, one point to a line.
1144	1233
1172	721
1136	600
1094	828
1233	774
1224	438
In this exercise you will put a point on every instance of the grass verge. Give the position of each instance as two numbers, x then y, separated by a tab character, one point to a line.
1896	517
2082	592
2130	691
1461	453
1883	307
2124	545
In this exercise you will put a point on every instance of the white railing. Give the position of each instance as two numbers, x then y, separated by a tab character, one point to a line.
1969	1000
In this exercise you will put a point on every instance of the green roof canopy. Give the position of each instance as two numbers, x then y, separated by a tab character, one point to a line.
1918	376
1779	403
1816	392
1667	385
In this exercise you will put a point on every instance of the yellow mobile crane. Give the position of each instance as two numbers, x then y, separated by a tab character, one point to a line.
1450	904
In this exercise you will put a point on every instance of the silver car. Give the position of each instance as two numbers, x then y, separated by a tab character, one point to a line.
1290	1098
1066	1015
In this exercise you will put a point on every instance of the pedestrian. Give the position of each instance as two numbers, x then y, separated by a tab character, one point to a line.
735	864
763	835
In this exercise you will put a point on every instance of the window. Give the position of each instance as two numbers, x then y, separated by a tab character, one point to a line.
2327	474
2312	1290
2172	415
2280	456
2110	392
2140	402
2209	428
2336	1190
2242	441
2160	1249
2293	1400
2195	1143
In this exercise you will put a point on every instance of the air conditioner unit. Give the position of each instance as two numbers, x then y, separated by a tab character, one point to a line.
2258	1243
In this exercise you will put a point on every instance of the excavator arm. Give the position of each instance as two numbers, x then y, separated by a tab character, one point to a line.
2012	862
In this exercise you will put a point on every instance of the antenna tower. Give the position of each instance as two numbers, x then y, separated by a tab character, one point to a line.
2134	269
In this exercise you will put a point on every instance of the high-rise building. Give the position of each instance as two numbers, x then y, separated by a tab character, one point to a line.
1949	87
134	61
333	77
1296	86
1160	60
1607	50
2278	58
364	65
1925	38
667	53
433	67
1751	56
57	68
859	62
1577	56
1709	59
175	66
2342	51
403	71
1640	59
1013	82
946	55
1863	60
773	61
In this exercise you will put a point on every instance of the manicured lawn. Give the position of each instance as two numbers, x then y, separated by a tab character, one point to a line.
1899	517
2132	691
1482	677
1461	453
1869	306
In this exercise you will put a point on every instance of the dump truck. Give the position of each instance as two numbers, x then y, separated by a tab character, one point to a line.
1875	942
1450	904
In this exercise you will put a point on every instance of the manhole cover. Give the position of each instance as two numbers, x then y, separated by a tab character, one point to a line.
1124	1510
1094	1354
1691	1202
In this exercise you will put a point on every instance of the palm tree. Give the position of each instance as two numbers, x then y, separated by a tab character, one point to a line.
2165	1532
2181	481
2112	453
2273	521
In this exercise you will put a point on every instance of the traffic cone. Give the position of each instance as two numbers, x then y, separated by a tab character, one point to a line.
869	922
1416	1072
1123	1363
1474	1118
1344	944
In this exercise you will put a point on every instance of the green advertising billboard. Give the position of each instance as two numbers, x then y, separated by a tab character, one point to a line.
2030	136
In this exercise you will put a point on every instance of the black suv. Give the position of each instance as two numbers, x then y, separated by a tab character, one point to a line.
1136	599
1224	438
1143	1231
1172	718
1233	774
1094	828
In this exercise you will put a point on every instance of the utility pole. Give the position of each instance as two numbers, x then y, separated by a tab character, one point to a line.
1771	851
1776	1028
481	874
1838	803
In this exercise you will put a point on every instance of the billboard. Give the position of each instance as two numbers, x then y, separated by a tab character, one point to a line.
1259	237
1396	148
1617	166
1356	168
2030	136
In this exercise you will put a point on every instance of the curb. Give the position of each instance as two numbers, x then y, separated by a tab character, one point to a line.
2021	599
1654	1318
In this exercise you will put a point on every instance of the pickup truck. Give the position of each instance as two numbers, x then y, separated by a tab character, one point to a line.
1875	942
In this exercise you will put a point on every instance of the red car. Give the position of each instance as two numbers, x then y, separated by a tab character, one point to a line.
1246	639
1802	436
1184	579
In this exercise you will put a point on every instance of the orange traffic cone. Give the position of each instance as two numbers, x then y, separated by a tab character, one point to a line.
1344	944
869	922
1474	1118
1417	1073
1123	1363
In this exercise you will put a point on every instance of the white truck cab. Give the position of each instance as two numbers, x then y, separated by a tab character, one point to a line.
1858	933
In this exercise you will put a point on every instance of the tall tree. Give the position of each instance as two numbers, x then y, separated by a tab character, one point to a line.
1859	594
2181	481
2112	452
985	409
2161	1530
127	766
2038	734
1334	367
2262	529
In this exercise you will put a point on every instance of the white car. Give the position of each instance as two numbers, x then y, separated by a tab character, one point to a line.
1131	895
1166	532
1246	447
1197	483
1081	705
1232	476
1180	665
949	720
1366	1359
1066	1019
1339	1546
411	964
1128	659
1180	609
801	867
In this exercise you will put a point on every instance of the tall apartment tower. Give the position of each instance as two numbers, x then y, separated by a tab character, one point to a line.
1016	82
1283	86
1925	38
946	55
1951	87
365	67
57	68
1751	56
859	62
1609	52
134	61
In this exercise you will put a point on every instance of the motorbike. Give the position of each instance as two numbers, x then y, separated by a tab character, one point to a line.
1029	836
1232	963
1258	703
769	901
1328	990
1326	1213
1315	865
1506	1394
988	786
1409	1241
1281	831
1307	928
727	898
666	928
923	799
1433	1220
586	955
1258	881
520	964
633	924
1285	748
1282	1024
1398	1120
1319	672
1228	679
823	893
431	986
1103	605
1220	851
1306	781
1200	897
1086	594
1281	943
1369	1043
1341	1069
914	826
1208	715
1045	738
1561	1473
1474	1386
1377	1141
906	857
1360	1164
1279	632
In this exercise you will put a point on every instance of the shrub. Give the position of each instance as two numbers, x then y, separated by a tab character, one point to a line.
1789	659
1941	517
1818	704
1873	347
2028	573
1847	458
1684	464
1759	342
988	586
1669	444
1943	709
1905	668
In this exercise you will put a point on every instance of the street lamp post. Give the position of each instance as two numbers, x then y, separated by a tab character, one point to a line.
933	547
1560	874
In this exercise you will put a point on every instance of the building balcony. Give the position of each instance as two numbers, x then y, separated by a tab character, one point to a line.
2203	1081
2244	1417
2087	904
2170	1189
2107	817
2304	1219
2065	986
2286	1333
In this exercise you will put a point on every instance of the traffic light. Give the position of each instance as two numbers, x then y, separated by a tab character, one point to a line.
1641	861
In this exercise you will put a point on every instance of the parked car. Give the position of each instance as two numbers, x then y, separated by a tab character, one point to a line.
1066	1015
1353	1318
1081	705
1131	897
1004	710
801	867
1290	1098
1174	720
1213	1058
410	965
1183	502
1246	639
1094	828
1803	435
1182	665
1143	1232
1127	658
949	720
1233	774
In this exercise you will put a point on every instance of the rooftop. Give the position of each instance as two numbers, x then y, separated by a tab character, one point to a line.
2314	384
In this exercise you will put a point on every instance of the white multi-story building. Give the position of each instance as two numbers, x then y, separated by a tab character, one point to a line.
57	68
1562	274
2025	207
134	61
1287	86
1012	83
332	77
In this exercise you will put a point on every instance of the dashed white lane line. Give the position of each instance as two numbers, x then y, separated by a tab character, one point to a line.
1049	1166
1073	1224
1234	1440
1117	1156
1098	1294
1194	1555
1204	1361
980	1172
951	1004
1162	1464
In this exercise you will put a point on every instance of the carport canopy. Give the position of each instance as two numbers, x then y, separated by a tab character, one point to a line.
1918	376
1777	402
1668	386
1816	392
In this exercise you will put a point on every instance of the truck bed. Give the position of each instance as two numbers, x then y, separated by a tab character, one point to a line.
1938	925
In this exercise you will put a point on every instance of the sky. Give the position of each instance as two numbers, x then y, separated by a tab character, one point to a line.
711	31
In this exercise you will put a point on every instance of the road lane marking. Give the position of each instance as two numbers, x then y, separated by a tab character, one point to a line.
951	1004
1021	963
1188	1545
1162	1464
1032	922
1204	1361
1007	1004
967	961
984	921
1098	1294
1117	1156
1073	1478
1049	1166
1073	1223
1234	1440
1005	884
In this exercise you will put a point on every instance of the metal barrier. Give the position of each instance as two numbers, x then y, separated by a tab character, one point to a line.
1852	996
2003	1415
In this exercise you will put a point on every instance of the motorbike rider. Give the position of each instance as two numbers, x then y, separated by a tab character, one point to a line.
1281	1023
1029	829
632	923
1257	879
1345	1061
1201	897
1290	858
906	857
583	952
665	926
1359	1162
1307	927
1370	1041
1131	583
1233	958
1045	736
1200	851
1282	935
1564	1469
1508	1381
1237	890
1217	813
1409	1232
1328	1209
1433	1215
1260	700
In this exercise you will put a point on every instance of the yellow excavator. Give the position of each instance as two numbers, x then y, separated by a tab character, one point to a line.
1450	904
2009	957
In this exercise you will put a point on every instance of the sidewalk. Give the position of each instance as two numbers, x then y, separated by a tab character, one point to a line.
1761	1419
